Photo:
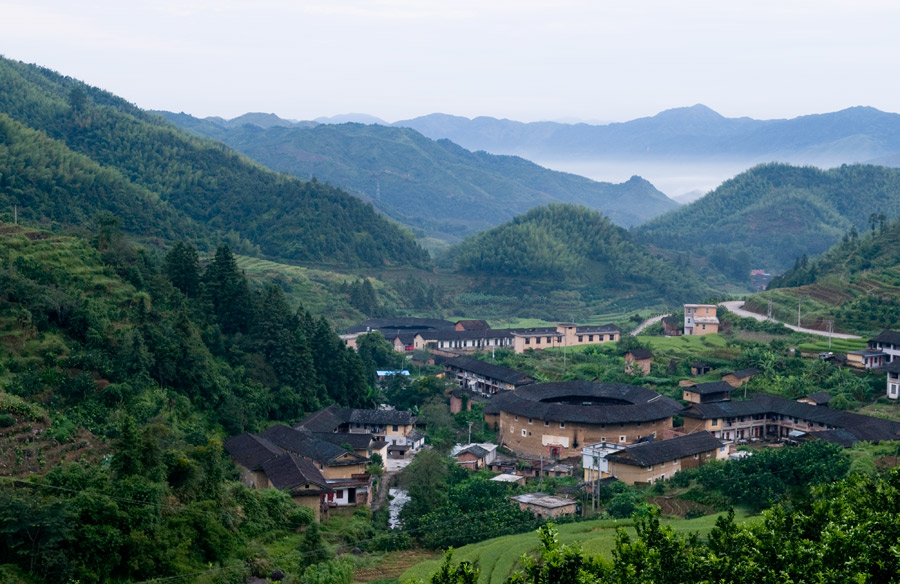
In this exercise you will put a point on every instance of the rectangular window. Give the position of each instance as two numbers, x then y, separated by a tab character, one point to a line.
602	438
696	457
538	341
529	420
580	338
591	338
650	467
546	422
395	428
562	424
516	418
622	438
523	432
527	341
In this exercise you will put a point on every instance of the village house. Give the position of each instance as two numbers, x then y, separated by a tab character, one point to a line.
262	465
391	426
699	368
893	379
672	326
563	335
472	325
483	378
512	479
700	319
474	456
651	461
638	360
888	342
771	417
344	471
704	393
464	341
819	398
739	378
866	359
399	331
547	506
555	420
362	444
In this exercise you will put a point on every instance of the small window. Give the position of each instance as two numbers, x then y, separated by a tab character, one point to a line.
516	418
580	338
538	340
529	420
512	429
562	424
527	341
696	457
602	438
395	428
622	438
650	467
523	433
546	422
590	338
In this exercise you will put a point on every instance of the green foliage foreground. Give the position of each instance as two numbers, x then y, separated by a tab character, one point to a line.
847	532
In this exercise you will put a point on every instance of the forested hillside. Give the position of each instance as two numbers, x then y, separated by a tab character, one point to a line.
200	179
133	369
773	214
856	283
437	187
578	247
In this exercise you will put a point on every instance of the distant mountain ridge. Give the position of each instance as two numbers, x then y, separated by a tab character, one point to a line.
438	187
856	134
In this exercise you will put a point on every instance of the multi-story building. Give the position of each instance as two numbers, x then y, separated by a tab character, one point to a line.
483	378
700	319
563	335
649	462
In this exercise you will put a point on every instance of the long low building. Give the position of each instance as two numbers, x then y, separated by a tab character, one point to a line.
649	462
556	419
483	378
767	417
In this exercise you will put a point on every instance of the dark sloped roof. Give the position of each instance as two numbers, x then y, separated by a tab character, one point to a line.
305	445
536	401
356	441
699	364
709	388
641	354
893	366
847	437
535	331
606	328
475	450
324	420
473	325
453	335
745	373
289	471
251	451
381	417
766	404
414	435
890	337
819	397
504	374
401	323
650	453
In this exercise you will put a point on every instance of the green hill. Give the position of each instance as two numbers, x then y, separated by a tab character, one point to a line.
773	214
201	180
856	284
437	187
566	245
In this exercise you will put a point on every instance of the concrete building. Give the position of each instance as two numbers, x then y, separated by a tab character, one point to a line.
704	393
700	319
544	505
649	462
483	378
563	335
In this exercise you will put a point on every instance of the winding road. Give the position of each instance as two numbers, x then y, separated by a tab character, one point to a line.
737	307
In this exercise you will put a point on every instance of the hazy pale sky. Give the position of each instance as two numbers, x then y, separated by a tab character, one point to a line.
521	59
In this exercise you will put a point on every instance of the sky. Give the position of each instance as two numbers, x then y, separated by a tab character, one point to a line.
526	60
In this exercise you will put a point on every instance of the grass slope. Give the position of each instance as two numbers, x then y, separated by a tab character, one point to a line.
497	558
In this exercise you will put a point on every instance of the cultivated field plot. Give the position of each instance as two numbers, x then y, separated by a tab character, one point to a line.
498	558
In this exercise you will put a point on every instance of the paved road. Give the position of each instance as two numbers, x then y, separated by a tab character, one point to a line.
646	323
736	306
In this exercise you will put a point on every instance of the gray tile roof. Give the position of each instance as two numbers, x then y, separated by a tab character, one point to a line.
401	324
709	388
489	370
307	446
641	354
888	337
289	472
623	403
650	453
745	373
251	451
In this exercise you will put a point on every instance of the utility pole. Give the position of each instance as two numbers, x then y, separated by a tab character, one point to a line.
830	332
769	313
470	433
799	300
